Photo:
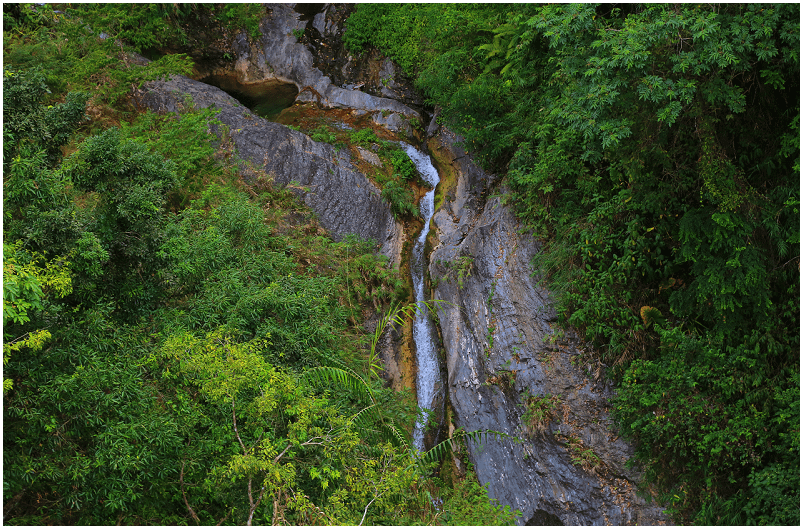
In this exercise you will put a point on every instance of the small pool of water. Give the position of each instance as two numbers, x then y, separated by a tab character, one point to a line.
266	99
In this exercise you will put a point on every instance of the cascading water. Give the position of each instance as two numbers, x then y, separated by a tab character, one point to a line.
427	362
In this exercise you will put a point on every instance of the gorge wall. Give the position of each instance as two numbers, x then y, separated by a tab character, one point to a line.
497	328
498	335
277	56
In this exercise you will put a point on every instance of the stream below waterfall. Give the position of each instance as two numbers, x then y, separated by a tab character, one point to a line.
427	358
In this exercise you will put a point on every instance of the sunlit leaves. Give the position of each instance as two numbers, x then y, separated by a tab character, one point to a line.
224	369
27	279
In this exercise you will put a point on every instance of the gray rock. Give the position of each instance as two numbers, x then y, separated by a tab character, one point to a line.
393	122
388	71
497	334
381	76
319	22
278	55
369	156
277	58
344	199
433	126
388	92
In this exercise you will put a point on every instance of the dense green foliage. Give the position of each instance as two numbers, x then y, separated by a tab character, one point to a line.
403	165
400	199
73	57
654	148
177	350
152	26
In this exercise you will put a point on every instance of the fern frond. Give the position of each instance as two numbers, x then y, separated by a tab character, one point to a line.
371	422
345	377
364	413
397	316
436	453
397	435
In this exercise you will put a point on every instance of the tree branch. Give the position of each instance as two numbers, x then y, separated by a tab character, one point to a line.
279	456
275	510
250	497
226	517
367	507
365	510
253	509
235	428
185	499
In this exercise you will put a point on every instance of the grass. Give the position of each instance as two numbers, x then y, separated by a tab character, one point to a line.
540	410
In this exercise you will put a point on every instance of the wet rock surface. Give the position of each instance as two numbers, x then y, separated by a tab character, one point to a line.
498	333
343	198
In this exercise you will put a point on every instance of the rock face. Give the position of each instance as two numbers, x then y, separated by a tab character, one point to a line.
498	335
376	74
342	197
278	57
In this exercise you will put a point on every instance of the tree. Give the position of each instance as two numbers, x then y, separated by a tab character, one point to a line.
27	123
26	285
127	220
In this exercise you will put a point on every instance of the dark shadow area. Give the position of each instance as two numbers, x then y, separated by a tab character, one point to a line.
266	99
152	54
542	517
308	11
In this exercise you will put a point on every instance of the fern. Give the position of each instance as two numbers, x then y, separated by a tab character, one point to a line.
345	377
436	453
396	316
375	426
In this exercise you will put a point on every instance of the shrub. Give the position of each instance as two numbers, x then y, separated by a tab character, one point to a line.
400	199
539	410
323	134
403	165
363	137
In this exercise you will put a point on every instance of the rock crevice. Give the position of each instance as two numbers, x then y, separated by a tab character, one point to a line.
278	56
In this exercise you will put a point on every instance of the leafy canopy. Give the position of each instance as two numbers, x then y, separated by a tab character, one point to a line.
654	149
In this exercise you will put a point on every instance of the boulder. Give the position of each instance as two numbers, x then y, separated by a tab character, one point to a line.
369	157
378	75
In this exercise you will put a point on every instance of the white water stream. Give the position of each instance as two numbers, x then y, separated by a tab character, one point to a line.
427	362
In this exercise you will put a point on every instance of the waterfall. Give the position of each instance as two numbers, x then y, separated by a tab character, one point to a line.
427	361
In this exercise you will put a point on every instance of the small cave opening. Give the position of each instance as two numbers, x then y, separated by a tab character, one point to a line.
542	517
265	98
308	11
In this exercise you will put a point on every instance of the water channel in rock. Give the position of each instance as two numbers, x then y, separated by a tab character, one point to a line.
427	360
